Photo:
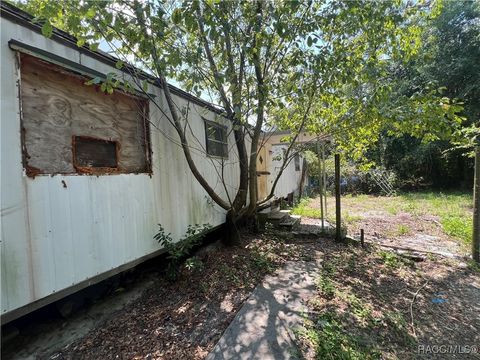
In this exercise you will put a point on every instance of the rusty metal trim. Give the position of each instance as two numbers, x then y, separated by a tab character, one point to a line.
94	170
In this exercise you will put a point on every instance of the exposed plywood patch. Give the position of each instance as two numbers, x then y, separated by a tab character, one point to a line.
57	106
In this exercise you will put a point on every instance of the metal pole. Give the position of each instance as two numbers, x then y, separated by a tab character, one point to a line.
320	184
362	237
324	174
338	213
476	207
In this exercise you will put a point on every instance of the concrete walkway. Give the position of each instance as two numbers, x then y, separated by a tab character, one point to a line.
263	328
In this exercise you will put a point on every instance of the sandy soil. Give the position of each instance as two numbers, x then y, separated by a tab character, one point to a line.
421	232
391	306
185	319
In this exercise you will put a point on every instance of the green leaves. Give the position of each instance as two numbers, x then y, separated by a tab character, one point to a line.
177	16
90	13
326	66
93	46
178	251
93	81
47	29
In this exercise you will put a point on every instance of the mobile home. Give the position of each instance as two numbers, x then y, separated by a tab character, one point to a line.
86	177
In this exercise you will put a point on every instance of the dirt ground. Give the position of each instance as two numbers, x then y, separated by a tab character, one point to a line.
371	303
183	319
386	222
375	304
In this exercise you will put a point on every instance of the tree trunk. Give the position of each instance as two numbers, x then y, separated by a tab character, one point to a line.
232	235
338	212
476	208
303	178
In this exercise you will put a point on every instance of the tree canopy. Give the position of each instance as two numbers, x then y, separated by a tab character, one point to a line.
321	66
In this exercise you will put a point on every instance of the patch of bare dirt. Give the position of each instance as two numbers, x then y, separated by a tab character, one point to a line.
184	319
374	304
420	232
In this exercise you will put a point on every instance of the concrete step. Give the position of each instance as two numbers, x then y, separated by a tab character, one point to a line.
276	216
290	221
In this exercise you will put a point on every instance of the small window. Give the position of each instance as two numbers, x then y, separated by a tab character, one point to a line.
216	138
297	162
91	153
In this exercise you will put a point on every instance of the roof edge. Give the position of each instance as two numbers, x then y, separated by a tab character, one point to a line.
23	18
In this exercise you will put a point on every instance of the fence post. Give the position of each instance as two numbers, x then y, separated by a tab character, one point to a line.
324	180
320	184
338	213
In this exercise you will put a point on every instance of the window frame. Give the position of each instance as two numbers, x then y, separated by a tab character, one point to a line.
224	144
82	169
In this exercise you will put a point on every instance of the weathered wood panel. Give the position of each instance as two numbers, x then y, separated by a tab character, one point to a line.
57	105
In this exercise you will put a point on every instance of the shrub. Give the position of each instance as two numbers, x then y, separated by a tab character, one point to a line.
177	251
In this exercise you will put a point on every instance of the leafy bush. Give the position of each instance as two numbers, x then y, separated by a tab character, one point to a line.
177	251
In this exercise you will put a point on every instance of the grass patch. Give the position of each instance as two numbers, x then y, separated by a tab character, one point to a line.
361	310
331	341
453	209
390	259
403	229
398	326
349	218
354	316
399	230
304	208
325	283
458	227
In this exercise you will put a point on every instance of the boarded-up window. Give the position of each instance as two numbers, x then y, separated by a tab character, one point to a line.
216	138
69	127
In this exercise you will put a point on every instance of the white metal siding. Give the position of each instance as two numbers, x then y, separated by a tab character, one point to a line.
290	179
54	237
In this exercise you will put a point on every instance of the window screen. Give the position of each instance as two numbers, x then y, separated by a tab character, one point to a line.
216	138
